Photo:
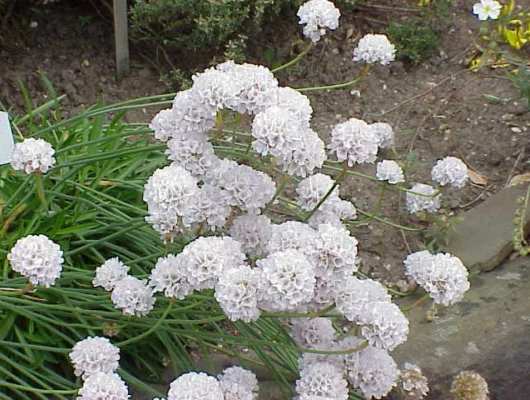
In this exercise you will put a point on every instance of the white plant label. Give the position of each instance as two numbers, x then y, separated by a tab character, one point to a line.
6	139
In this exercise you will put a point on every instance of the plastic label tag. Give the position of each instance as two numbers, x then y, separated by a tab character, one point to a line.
6	139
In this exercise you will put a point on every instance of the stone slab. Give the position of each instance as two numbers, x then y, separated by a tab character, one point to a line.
483	239
488	332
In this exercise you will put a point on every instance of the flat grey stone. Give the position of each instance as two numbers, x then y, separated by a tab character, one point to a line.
483	239
486	332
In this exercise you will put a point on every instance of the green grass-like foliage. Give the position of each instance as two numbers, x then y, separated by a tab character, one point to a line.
93	209
414	39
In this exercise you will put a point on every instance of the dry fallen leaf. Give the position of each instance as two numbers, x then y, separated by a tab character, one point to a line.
477	178
519	179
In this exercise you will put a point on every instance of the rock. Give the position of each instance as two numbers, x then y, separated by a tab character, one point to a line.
483	239
486	332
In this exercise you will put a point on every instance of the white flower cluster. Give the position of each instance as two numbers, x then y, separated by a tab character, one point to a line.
253	232
37	258
442	275
413	381
33	155
95	359
235	383
389	170
374	48
450	171
318	15
322	379
131	295
422	199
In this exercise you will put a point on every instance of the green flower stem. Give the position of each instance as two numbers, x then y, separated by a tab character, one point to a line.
338	85
294	60
139	384
331	189
393	291
395	225
149	331
418	303
376	207
34	347
36	391
279	189
321	312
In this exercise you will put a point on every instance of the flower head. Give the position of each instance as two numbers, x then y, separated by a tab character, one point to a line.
423	200
384	325
374	48
102	386
297	103
195	386
110	272
322	379
469	385
443	276
237	293
487	9
192	152
413	381
169	276
33	155
133	296
318	15
37	258
309	154
94	354
292	235
209	206
389	170
385	133
354	141
253	232
238	384
287	281
313	333
450	171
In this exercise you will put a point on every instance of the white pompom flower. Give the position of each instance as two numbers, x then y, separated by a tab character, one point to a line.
374	48
385	134
190	115
354	141
37	258
94	354
192	152
443	276
450	171
292	235
102	386
195	386
110	272
238	384
133	296
313	333
306	157
487	9
414	383
389	170
206	258
287	281
384	325
214	89
253	232
236	292
322	379
422	198
33	155
297	103
372	371
209	206
169	276
335	252
317	15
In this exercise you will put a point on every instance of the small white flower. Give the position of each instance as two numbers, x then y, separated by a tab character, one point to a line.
236	292
209	206
450	171
487	9
253	232
33	155
389	170
312	333
373	371
94	354
418	202
192	152
293	235
37	258
354	141
384	325
238	384
215	89
297	103
385	133
110	272
374	48
195	386
287	281
414	382
322	379
304	158
169	276
102	386
318	15
443	276
133	296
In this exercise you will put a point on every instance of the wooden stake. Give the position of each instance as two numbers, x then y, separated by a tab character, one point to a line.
121	38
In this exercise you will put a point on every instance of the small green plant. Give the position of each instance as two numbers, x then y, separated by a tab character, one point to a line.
415	40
